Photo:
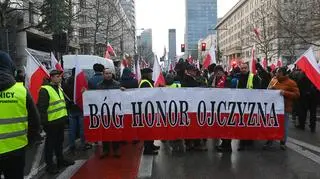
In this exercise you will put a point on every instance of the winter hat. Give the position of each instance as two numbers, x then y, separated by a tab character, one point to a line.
6	63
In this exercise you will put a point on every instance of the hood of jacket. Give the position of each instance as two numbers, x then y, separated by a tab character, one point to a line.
7	69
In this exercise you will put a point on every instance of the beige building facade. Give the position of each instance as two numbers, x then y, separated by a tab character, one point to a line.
249	23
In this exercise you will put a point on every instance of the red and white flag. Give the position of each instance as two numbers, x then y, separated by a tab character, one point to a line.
190	59
123	65
308	63
264	63
253	61
80	84
110	50
35	74
210	58
157	75
257	32
279	63
54	63
137	70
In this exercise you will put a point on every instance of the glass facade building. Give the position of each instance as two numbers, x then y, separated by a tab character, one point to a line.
201	15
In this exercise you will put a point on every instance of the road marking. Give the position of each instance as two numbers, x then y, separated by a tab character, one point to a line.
71	170
304	144
304	152
146	165
35	165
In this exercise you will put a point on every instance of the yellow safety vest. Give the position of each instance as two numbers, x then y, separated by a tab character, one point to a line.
13	118
57	105
174	85
250	81
145	81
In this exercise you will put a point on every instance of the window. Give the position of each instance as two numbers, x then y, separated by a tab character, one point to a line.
83	4
83	32
31	13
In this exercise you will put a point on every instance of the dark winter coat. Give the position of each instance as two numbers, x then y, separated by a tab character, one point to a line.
109	84
95	81
189	81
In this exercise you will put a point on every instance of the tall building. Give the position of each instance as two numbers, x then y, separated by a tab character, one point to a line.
201	15
255	23
108	23
172	44
130	10
146	39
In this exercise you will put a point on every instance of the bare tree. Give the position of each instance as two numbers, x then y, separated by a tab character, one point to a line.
107	24
301	19
263	31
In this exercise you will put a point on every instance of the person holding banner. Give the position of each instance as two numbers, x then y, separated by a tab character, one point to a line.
290	91
246	80
147	82
109	83
188	81
53	112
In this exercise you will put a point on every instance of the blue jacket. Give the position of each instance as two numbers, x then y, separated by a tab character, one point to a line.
95	81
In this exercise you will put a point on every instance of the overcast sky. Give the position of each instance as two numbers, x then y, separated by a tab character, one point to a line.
161	15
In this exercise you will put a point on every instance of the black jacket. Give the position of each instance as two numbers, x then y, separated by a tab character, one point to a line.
43	104
128	81
6	82
68	88
243	80
189	81
109	84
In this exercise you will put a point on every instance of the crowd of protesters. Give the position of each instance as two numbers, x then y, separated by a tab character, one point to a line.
55	105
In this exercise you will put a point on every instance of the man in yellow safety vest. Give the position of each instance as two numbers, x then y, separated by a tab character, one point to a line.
147	82
53	112
19	121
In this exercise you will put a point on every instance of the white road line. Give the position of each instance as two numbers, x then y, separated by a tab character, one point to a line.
304	144
35	165
71	170
145	167
305	153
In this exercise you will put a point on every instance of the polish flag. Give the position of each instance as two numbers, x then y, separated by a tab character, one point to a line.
279	63
110	50
210	58
308	63
54	63
80	84
253	61
273	67
190	60
35	74
123	65
257	32
107	55
137	71
157	75
264	63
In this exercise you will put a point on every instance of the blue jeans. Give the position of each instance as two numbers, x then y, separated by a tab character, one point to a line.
75	123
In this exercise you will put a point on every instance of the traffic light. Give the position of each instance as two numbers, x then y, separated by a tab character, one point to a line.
203	47
183	47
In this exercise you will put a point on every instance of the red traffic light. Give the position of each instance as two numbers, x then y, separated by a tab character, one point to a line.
203	47
183	47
